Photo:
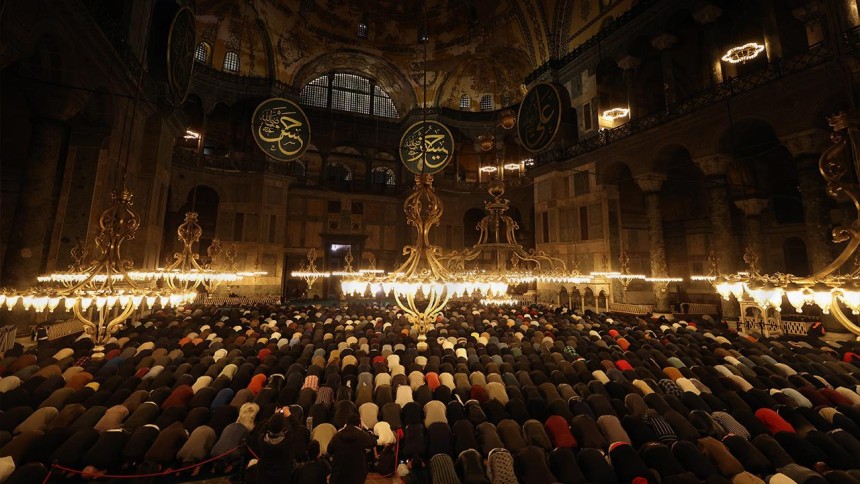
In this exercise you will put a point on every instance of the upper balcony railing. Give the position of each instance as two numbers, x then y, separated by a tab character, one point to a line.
815	55
243	164
593	41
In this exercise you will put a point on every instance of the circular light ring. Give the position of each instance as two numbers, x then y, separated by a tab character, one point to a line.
512	166
743	53
615	113
489	169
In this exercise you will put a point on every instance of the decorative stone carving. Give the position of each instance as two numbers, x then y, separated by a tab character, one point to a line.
713	165
664	41
752	206
707	14
651	182
629	62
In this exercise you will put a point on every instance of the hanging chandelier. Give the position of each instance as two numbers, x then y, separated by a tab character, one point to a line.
497	241
309	272
624	276
105	293
422	285
486	141
836	285
185	273
507	118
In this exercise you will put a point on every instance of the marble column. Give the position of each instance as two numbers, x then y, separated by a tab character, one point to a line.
752	208
806	147
770	31
664	43
723	242
650	184
32	222
812	192
812	15
629	64
706	16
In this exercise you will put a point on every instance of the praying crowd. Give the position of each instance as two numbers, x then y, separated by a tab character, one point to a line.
533	395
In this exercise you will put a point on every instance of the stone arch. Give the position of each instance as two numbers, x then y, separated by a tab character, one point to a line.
602	300
312	160
218	139
795	256
590	298
386	74
471	218
351	158
684	209
762	167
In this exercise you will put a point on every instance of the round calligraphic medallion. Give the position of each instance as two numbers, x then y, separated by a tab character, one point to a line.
281	129
539	119
426	147
180	53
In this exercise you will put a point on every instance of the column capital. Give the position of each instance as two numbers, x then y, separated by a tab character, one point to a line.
811	141
810	11
664	41
752	207
650	182
713	165
629	62
707	13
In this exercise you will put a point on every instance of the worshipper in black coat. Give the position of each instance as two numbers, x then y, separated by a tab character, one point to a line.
347	450
277	455
316	470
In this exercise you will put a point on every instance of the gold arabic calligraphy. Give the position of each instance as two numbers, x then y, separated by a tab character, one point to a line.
432	152
279	126
540	119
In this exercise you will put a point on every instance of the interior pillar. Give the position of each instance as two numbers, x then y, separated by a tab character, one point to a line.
752	208
725	247
32	222
664	43
650	184
706	16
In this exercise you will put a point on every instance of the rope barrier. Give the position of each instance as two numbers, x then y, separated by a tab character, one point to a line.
141	476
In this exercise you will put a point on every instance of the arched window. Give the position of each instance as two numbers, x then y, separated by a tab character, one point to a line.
348	92
487	102
298	169
202	53
338	173
231	62
383	176
795	255
465	102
